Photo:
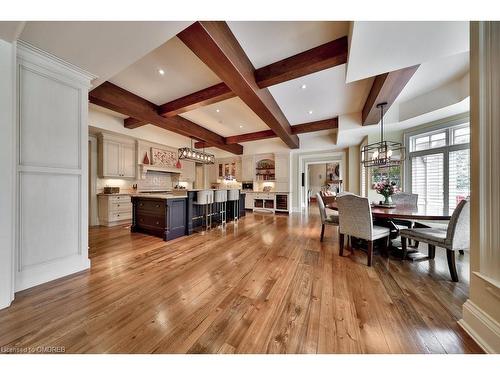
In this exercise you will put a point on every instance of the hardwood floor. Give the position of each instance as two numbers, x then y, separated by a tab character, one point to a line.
265	285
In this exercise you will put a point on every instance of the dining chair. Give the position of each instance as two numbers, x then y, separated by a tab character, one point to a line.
325	219
355	219
405	199
454	237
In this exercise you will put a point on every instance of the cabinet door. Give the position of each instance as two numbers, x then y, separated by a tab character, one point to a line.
111	159
128	160
282	168
247	168
249	201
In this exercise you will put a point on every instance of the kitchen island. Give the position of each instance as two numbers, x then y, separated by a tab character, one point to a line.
162	215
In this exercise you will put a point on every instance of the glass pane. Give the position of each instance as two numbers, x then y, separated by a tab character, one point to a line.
459	183
426	142
461	135
428	181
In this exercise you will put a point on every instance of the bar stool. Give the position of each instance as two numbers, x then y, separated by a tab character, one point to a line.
220	199
205	198
233	195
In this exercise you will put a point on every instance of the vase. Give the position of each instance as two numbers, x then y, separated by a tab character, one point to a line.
388	200
146	159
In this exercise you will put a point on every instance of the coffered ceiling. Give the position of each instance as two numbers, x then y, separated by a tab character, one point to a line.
148	61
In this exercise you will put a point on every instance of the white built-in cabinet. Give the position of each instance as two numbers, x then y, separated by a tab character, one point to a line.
188	171
247	168
117	157
282	171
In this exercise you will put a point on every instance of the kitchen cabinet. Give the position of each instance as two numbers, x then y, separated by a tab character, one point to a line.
114	209
249	201
165	218
116	157
247	168
188	171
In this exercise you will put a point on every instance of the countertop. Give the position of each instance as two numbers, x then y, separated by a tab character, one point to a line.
113	194
268	192
158	196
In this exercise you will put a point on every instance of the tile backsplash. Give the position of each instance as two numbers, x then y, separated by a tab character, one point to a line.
153	181
156	181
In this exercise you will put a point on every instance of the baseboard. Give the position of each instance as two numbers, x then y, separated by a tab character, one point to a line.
46	272
481	327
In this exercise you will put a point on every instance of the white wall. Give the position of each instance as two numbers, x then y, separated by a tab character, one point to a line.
317	176
7	167
52	184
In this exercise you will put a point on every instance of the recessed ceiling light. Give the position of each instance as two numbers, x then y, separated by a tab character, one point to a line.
161	71
217	110
241	126
310	112
303	87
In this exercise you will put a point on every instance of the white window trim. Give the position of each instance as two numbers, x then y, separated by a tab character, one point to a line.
445	150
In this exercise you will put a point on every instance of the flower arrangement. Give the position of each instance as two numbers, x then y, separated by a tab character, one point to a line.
386	188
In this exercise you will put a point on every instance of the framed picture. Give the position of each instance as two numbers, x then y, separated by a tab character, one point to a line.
163	158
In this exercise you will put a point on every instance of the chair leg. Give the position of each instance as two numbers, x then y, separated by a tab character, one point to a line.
461	252
416	244
450	254
370	253
431	250
322	231
341	244
404	248
387	242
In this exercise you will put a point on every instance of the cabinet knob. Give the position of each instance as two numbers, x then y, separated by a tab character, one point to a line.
118	215
157	223
157	205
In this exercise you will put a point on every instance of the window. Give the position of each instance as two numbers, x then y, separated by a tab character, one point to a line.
439	167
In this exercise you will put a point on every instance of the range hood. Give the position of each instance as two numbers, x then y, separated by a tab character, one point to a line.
144	168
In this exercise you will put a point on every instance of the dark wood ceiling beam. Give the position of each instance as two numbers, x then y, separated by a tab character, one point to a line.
133	123
385	88
311	61
215	45
307	127
210	95
120	100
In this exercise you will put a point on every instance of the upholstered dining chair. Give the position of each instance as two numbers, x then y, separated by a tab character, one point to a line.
325	219
405	199
355	219
454	237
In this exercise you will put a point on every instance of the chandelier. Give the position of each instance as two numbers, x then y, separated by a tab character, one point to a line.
190	153
384	153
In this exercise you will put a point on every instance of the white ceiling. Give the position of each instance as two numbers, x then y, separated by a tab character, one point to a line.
433	74
326	95
378	47
234	117
266	42
102	48
184	74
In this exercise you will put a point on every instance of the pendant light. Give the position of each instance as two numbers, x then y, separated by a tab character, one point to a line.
190	153
382	154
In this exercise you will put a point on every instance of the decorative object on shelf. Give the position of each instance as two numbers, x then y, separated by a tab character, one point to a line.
111	190
383	153
266	189
265	170
146	159
178	165
163	158
190	153
386	188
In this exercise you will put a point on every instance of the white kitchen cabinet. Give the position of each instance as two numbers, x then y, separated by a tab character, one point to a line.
114	209
249	201
247	168
116	157
128	160
282	167
188	171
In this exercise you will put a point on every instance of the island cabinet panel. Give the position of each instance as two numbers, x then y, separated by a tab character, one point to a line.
165	218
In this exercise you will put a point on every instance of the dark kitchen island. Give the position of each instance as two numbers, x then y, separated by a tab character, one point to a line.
162	215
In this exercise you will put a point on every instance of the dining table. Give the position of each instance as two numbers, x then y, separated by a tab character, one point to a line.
405	212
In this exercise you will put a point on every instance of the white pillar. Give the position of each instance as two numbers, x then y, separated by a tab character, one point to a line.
7	166
481	312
